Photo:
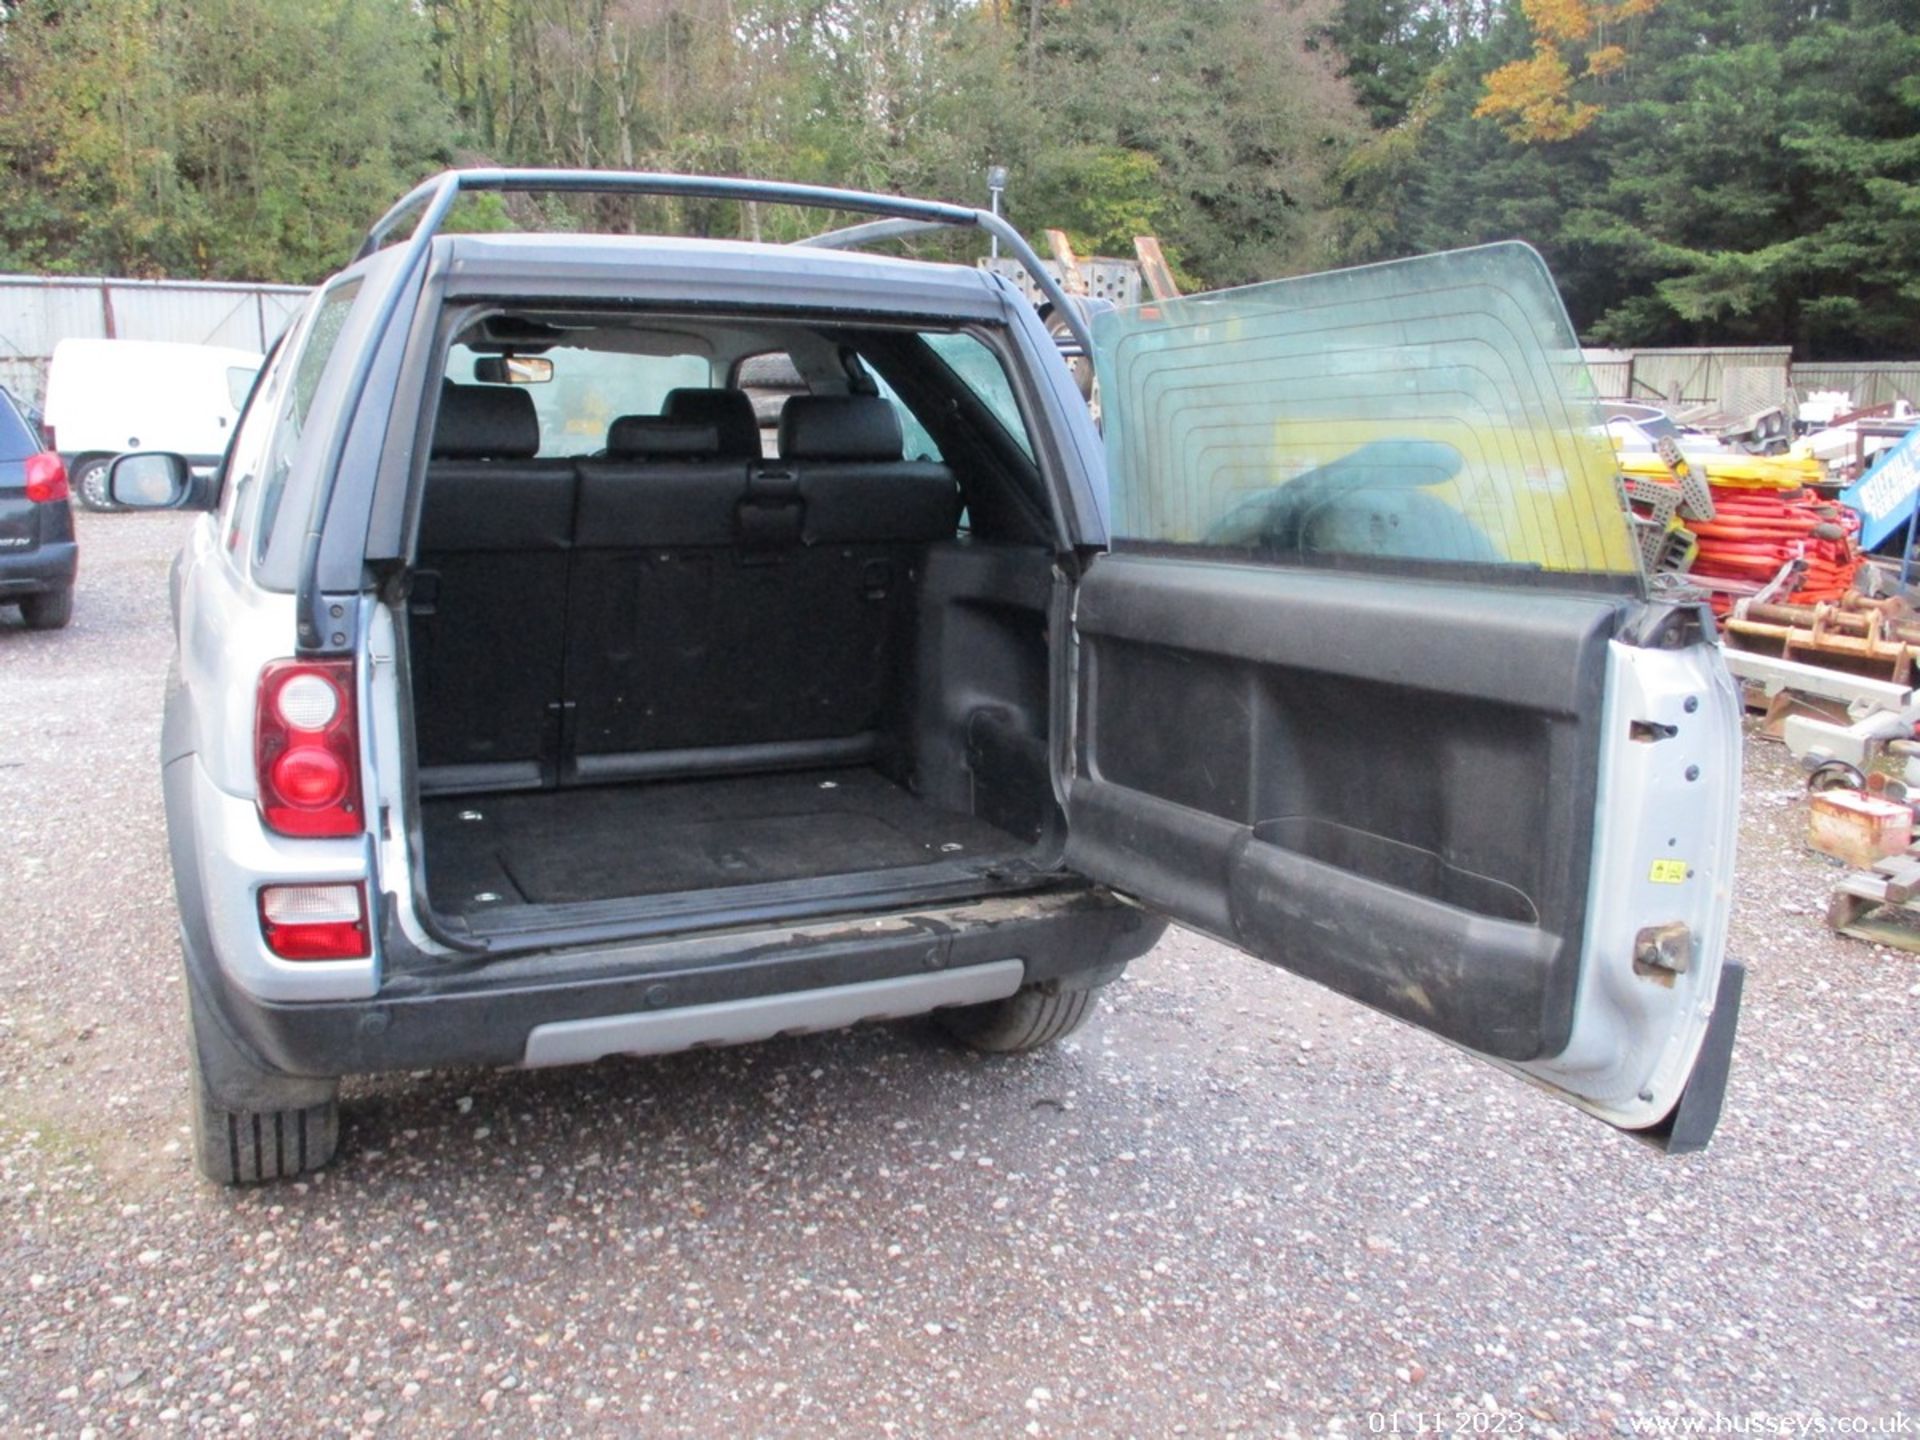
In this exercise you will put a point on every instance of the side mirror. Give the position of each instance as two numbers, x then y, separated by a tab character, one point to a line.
153	480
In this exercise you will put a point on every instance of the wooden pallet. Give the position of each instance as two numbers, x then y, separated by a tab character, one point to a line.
1882	904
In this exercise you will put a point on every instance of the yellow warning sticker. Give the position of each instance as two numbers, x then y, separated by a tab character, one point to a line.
1668	872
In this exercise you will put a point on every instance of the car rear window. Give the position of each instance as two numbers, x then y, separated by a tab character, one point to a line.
17	440
1421	414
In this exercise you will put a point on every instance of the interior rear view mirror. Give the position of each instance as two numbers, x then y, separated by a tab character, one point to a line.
151	480
513	370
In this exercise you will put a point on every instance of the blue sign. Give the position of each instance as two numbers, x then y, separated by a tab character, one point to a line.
1885	495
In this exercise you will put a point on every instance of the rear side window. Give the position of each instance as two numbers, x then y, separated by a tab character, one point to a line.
980	370
295	403
1420	416
915	442
17	440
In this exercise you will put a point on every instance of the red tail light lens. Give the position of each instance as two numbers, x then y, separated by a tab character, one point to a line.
315	922
306	748
46	478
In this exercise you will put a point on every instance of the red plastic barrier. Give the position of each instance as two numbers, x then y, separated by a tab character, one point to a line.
1754	533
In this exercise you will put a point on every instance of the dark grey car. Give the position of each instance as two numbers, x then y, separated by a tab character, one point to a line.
38	557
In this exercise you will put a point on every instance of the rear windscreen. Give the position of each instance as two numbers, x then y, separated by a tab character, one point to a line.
1429	414
17	440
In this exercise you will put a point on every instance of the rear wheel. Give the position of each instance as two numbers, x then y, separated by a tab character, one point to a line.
48	611
88	481
1026	1020
249	1124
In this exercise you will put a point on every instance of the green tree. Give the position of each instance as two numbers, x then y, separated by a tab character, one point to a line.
1749	174
1224	103
1386	49
247	138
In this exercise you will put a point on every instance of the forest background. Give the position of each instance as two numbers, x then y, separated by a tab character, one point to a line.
1695	171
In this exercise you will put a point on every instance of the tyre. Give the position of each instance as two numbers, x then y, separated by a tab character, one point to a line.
1025	1020
48	611
88	481
236	1143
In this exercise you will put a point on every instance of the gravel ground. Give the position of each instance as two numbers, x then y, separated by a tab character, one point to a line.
1230	1204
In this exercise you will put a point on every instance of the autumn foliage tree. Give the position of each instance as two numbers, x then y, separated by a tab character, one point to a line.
1533	98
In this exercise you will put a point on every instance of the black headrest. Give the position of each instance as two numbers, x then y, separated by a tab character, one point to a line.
485	422
655	437
729	411
839	427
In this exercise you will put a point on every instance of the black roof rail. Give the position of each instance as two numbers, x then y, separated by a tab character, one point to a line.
434	198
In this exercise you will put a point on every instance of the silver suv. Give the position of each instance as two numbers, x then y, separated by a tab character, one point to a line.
540	696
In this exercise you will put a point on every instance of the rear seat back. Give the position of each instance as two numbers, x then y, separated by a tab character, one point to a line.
660	483
655	654
711	611
489	600
845	453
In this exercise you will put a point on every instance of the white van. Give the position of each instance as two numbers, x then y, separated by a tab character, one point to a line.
106	397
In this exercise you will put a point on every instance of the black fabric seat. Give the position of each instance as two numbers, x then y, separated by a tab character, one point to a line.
730	412
657	647
845	453
488	611
659	482
670	607
744	615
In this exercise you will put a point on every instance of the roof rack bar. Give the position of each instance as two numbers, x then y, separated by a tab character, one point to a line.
867	232
902	215
643	182
870	231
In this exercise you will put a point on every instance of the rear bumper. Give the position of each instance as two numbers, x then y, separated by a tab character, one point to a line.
50	566
676	993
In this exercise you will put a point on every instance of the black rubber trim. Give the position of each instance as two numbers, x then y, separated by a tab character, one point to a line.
1691	1125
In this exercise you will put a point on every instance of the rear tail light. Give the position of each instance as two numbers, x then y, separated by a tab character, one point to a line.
315	922
46	478
306	748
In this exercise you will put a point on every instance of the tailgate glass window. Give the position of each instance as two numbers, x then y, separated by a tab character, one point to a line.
1423	416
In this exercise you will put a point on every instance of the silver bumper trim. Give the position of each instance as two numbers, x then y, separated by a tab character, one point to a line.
740	1022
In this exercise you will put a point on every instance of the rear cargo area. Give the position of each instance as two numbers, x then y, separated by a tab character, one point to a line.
678	667
618	841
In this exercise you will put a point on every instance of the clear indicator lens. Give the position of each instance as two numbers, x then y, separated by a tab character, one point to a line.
310	904
307	702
